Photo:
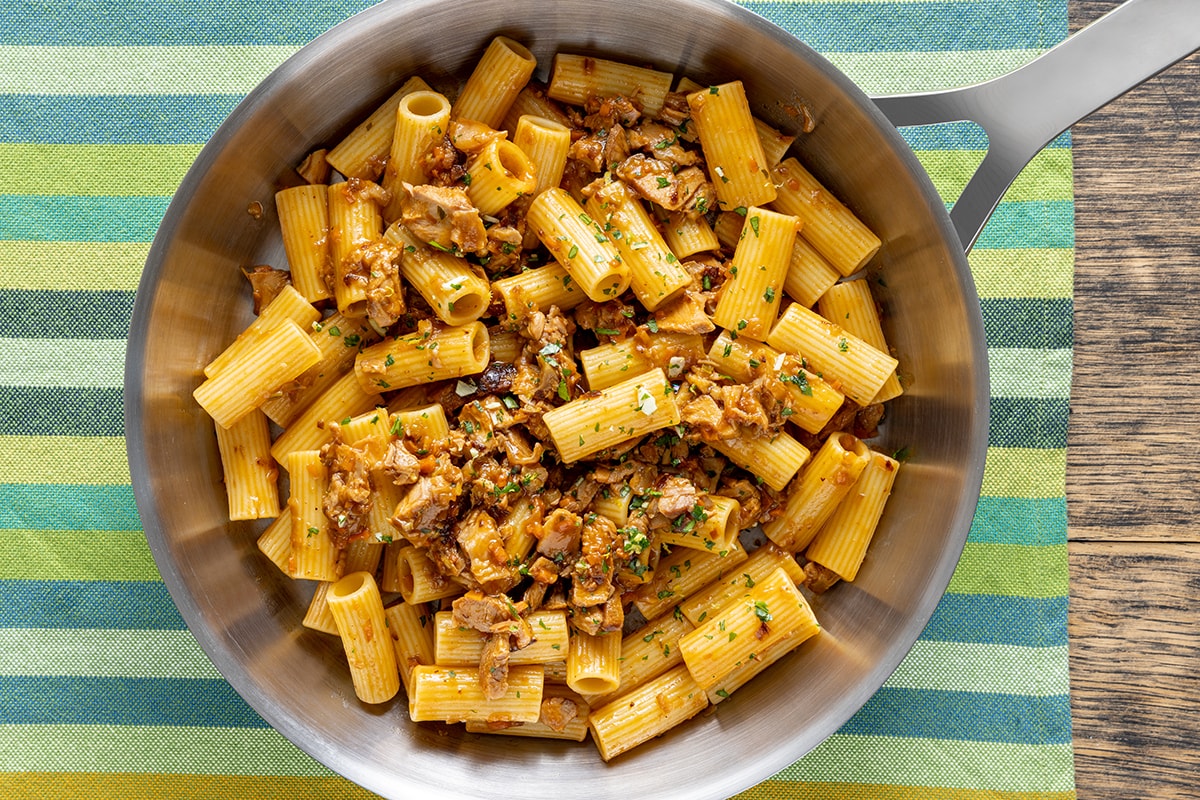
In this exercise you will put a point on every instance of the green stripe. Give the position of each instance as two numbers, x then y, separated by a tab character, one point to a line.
1011	570
1032	272
902	72
142	170
103	654
838	790
143	70
38	265
971	667
936	762
63	363
1047	177
151	748
76	555
124	786
1024	472
1029	372
85	460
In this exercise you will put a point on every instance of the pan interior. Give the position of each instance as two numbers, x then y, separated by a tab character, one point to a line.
192	301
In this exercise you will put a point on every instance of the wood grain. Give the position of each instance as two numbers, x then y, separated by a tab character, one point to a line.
1132	496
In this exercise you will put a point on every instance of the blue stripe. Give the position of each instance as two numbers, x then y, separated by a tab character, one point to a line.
1028	322
37	218
63	507
58	700
170	22
930	26
192	119
964	716
960	136
30	314
844	27
1030	224
1020	521
992	619
1028	422
46	411
112	119
79	605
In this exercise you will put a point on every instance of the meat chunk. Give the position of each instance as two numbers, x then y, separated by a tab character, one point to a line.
559	534
594	571
429	499
483	612
678	496
684	314
347	500
687	189
376	265
493	667
663	143
558	712
819	578
401	465
444	217
266	283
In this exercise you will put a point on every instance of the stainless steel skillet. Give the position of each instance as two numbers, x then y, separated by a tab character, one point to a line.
191	302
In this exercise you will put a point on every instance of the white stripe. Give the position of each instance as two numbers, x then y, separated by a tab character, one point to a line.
990	668
904	72
103	653
62	363
1028	372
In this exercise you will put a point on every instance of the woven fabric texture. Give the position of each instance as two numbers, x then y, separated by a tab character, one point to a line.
104	693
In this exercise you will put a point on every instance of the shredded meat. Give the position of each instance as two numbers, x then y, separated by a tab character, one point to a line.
377	265
493	667
347	500
687	189
678	496
400	465
557	713
483	612
265	284
663	143
684	314
429	498
559	534
443	216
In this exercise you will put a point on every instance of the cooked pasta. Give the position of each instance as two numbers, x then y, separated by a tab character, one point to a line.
526	425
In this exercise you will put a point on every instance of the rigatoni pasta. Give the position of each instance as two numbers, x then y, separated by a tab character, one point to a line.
527	427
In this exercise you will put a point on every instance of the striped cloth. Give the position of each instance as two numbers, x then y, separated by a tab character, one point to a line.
104	693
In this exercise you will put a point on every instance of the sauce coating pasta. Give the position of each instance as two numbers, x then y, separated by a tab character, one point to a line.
540	422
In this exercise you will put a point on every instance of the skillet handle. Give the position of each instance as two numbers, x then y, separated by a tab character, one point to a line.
1023	111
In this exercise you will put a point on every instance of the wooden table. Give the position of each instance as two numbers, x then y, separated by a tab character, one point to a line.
1133	493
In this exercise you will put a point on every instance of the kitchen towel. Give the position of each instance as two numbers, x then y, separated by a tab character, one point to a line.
104	693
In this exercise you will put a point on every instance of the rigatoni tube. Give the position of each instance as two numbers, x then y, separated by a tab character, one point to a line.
499	76
833	352
737	165
423	357
600	420
579	244
750	301
357	609
815	494
829	225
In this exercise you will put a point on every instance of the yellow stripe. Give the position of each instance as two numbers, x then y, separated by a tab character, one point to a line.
80	460
780	790
1047	177
1032	272
122	170
1025	473
55	265
126	785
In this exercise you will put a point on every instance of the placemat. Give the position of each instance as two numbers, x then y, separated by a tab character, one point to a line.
104	693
